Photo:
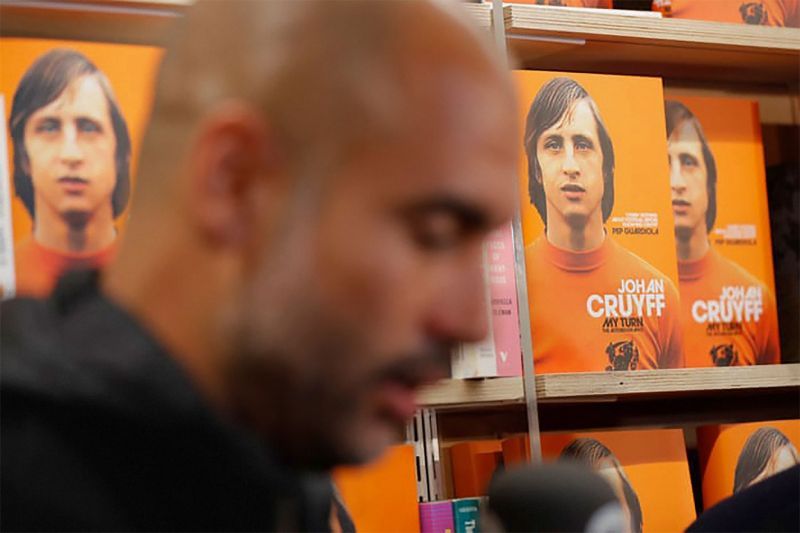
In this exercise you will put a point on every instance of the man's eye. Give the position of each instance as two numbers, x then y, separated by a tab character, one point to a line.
436	233
88	126
688	161
583	146
48	126
552	145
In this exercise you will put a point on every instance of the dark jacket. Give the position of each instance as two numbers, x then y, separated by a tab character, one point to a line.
101	430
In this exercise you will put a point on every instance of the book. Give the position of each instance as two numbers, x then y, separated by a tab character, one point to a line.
436	517
648	469
473	465
7	279
466	515
723	242
783	13
382	496
735	456
499	354
597	223
116	83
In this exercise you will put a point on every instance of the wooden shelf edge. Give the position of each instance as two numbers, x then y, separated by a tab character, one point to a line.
531	19
481	14
473	393
123	22
596	386
668	381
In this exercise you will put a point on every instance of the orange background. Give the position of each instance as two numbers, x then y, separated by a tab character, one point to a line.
473	465
130	69
733	130
655	462
383	495
719	448
633	111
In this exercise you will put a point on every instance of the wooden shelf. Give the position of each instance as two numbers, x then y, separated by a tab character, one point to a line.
605	41
594	401
613	386
628	42
114	21
466	393
481	14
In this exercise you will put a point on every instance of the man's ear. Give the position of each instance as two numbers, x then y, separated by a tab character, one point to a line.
229	166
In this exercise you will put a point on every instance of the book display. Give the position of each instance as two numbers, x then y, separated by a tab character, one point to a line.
595	210
76	113
632	303
648	470
723	244
735	456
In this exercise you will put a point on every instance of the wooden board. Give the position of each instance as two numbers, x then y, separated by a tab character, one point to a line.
618	42
128	21
596	386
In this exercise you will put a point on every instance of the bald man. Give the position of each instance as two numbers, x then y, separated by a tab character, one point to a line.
303	251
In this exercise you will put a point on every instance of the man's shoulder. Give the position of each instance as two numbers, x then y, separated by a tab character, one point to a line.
98	437
30	346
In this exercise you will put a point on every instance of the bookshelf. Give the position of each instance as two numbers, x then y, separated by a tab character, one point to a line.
634	42
692	56
486	408
114	21
605	386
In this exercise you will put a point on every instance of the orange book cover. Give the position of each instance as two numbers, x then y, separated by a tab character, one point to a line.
597	223
735	456
602	4
722	232
473	465
75	114
755	12
382	496
647	469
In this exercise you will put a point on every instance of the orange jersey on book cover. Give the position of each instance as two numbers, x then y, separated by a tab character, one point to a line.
722	242
608	280
597	224
75	115
757	12
38	268
730	314
736	456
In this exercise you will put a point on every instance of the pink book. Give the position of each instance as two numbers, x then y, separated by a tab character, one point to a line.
499	354
436	517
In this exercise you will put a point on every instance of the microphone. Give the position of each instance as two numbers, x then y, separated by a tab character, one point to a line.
553	497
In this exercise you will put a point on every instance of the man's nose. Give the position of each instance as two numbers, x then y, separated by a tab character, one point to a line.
71	152
569	165
676	179
460	309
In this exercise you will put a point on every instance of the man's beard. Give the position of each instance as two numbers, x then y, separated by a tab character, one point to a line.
308	402
291	386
